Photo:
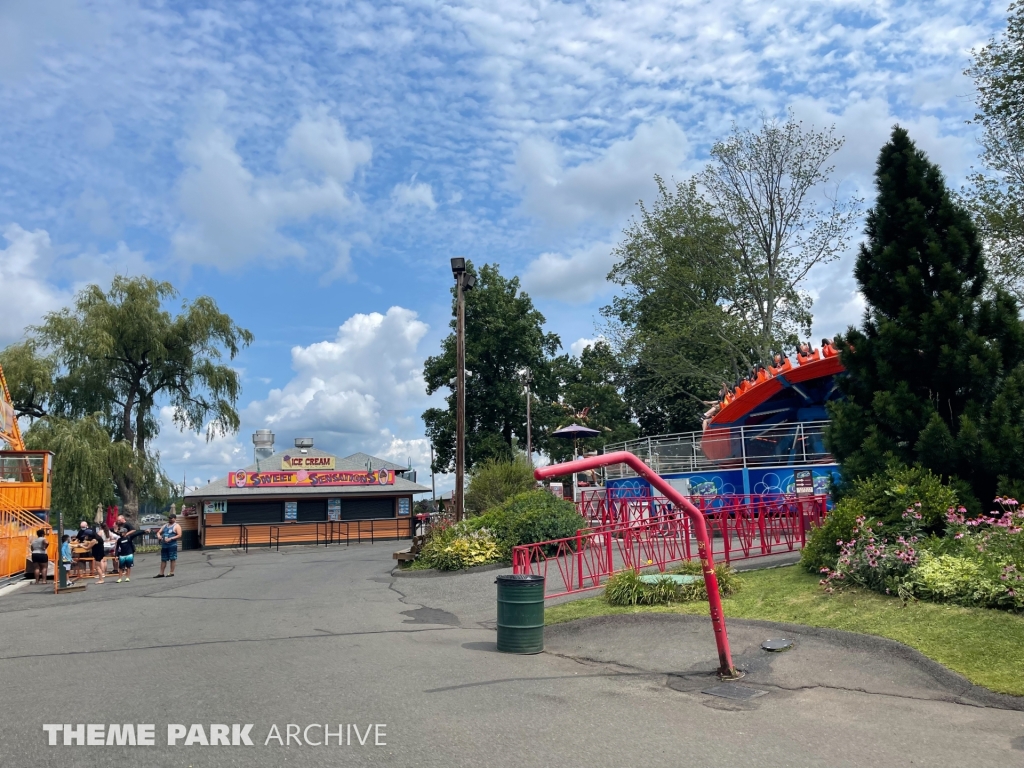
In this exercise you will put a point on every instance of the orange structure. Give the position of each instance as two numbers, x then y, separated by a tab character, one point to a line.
25	486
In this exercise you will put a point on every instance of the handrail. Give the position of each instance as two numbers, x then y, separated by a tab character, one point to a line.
243	538
270	537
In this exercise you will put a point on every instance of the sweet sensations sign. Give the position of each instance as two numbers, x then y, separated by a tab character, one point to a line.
311	478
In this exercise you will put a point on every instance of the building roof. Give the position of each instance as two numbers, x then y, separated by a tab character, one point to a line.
220	488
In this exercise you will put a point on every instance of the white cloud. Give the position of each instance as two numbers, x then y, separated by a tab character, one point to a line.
580	344
604	186
574	279
350	388
413	195
26	294
233	215
28	28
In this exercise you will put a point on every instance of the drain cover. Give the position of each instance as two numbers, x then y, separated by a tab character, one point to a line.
777	645
732	691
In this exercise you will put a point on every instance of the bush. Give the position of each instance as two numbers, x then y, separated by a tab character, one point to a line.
880	498
876	556
452	549
627	588
493	482
528	518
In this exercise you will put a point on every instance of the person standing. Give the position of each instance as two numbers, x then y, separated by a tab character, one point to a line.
99	552
40	559
169	536
66	558
125	554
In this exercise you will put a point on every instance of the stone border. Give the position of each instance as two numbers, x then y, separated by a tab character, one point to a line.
962	689
434	573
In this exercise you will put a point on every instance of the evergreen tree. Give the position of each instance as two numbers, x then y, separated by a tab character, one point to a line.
935	374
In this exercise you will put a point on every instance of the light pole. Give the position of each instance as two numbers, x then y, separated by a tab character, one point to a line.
527	375
464	281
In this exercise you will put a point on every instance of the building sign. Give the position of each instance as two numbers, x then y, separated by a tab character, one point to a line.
291	510
307	462
307	479
334	509
6	420
214	507
403	506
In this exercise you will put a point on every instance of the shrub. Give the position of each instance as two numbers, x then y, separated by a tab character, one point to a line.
729	581
822	547
528	518
494	481
453	549
876	556
626	588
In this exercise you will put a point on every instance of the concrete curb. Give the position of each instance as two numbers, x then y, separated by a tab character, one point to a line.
433	573
960	688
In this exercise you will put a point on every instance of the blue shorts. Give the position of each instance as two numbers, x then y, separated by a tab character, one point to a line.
126	561
169	552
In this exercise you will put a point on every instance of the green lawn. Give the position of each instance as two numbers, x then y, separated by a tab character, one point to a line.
983	645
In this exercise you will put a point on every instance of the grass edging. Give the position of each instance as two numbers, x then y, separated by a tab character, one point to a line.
980	644
433	572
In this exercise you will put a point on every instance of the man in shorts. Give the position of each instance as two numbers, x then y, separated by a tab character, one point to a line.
169	536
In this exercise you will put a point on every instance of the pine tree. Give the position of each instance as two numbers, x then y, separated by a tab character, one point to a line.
933	372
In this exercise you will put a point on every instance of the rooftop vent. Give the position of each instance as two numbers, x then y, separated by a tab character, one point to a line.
303	443
263	439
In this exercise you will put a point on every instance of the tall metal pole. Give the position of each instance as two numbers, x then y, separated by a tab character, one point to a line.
460	398
529	442
433	489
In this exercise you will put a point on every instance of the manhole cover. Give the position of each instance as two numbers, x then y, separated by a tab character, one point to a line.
777	644
732	691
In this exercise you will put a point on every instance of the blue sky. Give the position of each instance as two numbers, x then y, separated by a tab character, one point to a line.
313	165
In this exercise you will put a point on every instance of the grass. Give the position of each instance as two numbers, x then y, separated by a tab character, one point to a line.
985	646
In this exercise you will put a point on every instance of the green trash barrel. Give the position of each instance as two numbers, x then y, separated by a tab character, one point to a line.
520	613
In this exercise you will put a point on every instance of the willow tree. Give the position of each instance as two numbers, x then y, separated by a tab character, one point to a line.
121	354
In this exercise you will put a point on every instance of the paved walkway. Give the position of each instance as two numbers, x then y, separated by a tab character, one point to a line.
310	636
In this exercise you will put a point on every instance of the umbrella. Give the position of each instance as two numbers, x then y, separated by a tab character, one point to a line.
575	432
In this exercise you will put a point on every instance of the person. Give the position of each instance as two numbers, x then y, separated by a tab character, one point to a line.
99	554
109	543
84	532
65	556
169	536
40	559
125	549
762	374
122	522
827	348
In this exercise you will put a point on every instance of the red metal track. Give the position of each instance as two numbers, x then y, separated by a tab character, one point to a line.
699	529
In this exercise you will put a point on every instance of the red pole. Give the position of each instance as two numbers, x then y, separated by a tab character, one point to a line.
725	665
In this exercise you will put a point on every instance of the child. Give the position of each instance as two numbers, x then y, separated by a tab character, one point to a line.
125	549
65	556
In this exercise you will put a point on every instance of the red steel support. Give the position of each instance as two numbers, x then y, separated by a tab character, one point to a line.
725	665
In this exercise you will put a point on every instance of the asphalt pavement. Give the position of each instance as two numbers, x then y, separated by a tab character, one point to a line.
285	642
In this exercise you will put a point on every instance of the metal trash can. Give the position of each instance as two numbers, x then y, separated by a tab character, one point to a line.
520	613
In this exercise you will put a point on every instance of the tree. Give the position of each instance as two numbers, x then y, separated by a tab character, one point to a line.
713	271
504	335
591	394
935	373
996	198
763	186
118	353
677	334
30	377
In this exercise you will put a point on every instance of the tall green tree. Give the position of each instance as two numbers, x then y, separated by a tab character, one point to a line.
504	335
934	373
120	353
996	195
713	272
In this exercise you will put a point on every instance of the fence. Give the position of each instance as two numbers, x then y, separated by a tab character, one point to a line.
762	445
741	528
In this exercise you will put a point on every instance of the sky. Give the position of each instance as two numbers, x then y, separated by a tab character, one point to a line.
313	166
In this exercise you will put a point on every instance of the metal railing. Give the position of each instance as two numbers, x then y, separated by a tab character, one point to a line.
740	447
738	531
243	538
274	535
337	531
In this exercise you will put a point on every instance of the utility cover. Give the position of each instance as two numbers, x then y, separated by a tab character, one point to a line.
777	645
733	691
